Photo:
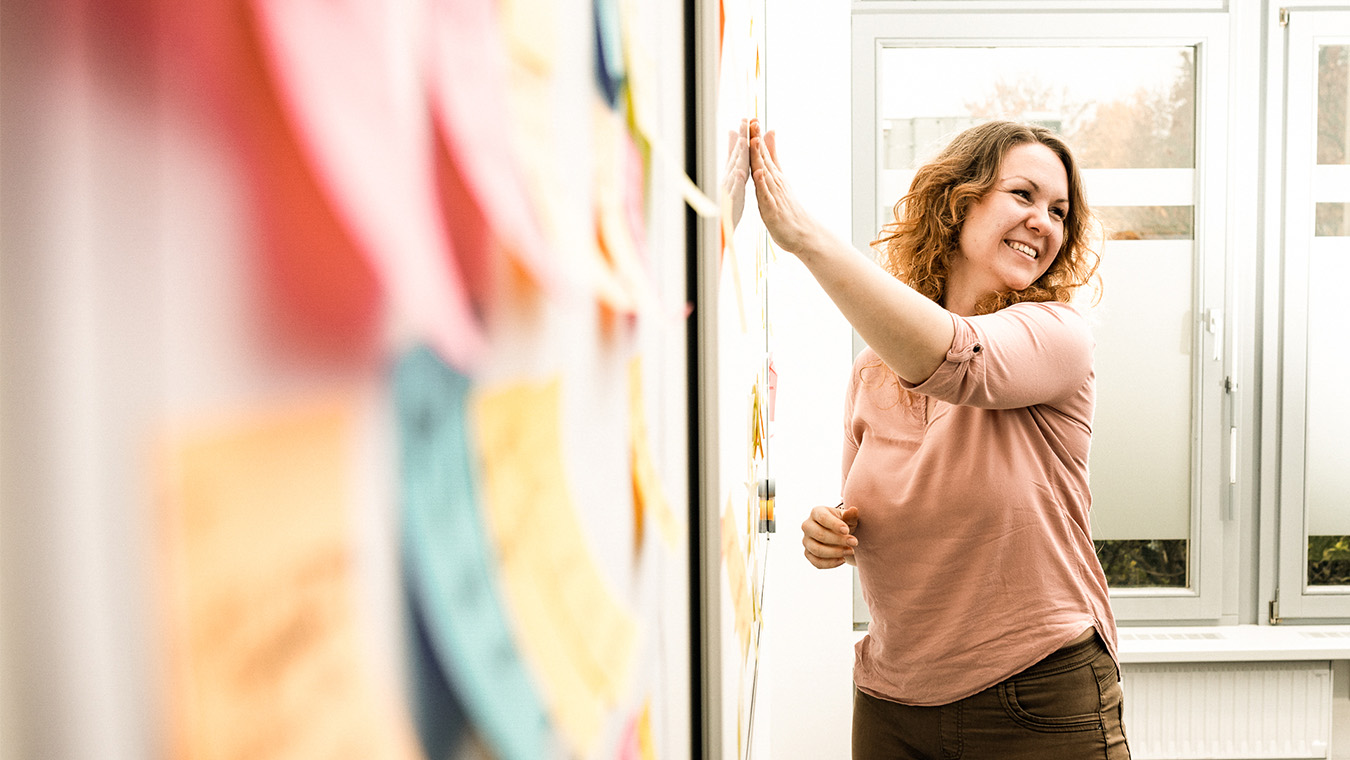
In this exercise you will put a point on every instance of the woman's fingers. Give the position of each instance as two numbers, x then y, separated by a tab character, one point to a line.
827	537
823	564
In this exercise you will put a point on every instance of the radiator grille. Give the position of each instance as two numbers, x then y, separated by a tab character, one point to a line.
1228	710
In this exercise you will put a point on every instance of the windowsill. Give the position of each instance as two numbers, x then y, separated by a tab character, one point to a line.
1229	643
1234	643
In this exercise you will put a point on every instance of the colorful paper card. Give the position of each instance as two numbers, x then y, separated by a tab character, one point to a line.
733	556
267	660
451	564
649	497
337	73
577	634
608	49
469	76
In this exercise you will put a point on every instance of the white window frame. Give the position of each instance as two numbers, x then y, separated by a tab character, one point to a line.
1291	78
1210	596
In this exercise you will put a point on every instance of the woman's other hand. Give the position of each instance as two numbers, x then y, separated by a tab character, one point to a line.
827	535
736	174
792	228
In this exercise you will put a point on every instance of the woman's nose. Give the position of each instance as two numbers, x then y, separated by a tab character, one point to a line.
1039	221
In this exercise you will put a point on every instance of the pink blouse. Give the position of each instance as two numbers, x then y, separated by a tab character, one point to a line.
974	550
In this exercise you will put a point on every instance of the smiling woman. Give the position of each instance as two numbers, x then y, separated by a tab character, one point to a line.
1130	112
967	428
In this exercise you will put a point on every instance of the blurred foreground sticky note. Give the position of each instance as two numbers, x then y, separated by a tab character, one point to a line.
437	711
637	742
469	71
615	188
368	146
734	557
609	63
450	563
649	499
576	633
267	661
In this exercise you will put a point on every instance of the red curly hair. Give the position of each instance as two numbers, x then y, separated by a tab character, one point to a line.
919	245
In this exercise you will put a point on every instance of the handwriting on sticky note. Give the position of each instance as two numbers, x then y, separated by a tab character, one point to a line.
733	556
452	577
570	625
266	652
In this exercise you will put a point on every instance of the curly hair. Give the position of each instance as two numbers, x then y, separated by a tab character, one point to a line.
919	245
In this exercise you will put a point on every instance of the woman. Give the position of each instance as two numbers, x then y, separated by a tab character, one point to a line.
967	426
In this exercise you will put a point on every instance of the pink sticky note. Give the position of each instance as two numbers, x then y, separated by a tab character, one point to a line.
318	294
468	80
332	60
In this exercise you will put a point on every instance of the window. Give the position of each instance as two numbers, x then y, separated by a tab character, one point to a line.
1314	434
1144	107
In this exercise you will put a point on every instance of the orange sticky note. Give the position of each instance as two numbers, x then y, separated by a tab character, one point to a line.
266	657
649	499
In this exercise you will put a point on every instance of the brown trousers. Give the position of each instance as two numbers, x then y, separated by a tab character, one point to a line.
1065	707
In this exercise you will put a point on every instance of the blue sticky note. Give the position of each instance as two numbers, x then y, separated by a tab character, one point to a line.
437	712
450	563
609	50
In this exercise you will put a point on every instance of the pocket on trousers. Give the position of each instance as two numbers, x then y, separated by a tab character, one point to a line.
1067	701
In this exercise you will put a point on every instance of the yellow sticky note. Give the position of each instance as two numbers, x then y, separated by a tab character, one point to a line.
646	744
729	259
614	190
530	28
572	629
734	559
266	660
649	498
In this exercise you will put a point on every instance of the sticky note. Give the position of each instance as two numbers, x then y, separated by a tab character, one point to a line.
474	115
608	49
367	146
437	711
734	558
451	565
266	660
649	498
574	631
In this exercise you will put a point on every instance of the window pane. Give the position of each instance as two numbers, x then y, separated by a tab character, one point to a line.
1329	560
1147	222
1119	107
1136	564
1141	463
1333	85
1327	479
1333	220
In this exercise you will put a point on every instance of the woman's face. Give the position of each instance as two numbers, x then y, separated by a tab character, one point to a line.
1011	235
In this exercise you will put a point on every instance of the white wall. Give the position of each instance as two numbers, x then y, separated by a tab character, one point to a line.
808	655
806	705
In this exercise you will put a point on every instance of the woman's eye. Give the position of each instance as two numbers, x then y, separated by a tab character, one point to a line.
1023	194
1059	213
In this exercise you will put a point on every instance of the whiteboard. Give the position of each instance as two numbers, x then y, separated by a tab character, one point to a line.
140	322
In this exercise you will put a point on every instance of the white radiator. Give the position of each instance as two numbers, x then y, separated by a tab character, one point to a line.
1246	710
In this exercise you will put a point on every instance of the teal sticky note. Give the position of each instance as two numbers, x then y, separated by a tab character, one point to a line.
437	712
609	64
450	564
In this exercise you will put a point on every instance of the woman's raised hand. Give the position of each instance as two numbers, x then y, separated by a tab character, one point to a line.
736	173
792	228
827	535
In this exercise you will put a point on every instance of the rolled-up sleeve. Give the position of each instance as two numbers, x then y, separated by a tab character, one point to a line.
1024	355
